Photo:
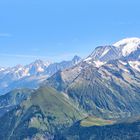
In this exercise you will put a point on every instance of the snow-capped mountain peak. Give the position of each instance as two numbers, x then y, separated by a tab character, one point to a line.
127	49
128	45
102	54
39	62
38	66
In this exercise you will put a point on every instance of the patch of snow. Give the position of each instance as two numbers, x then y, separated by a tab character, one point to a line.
40	69
105	52
99	63
135	65
66	95
128	45
2	69
88	59
122	62
125	70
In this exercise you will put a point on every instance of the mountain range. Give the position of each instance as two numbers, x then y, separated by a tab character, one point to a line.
97	98
30	76
104	84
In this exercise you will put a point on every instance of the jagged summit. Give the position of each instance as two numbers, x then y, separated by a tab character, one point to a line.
32	74
76	59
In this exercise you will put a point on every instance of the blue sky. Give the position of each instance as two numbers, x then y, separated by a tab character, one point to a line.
58	29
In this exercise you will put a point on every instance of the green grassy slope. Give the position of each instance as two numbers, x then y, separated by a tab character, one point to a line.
12	99
44	114
94	121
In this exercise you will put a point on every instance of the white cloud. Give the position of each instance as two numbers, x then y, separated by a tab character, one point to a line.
5	35
21	55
